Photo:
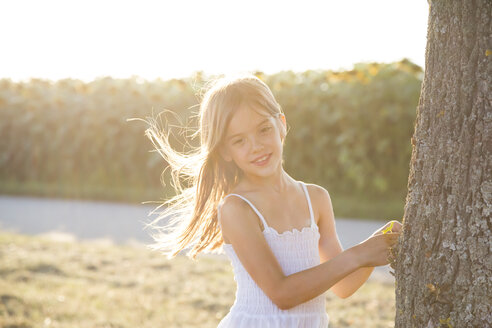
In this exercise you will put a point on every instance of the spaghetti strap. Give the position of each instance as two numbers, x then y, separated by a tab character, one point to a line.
313	223
265	225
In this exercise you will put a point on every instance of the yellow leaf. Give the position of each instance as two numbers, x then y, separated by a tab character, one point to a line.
388	229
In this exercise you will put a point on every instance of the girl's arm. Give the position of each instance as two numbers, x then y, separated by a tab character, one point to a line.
330	247
241	228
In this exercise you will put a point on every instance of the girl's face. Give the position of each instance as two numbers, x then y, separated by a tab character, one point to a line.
253	142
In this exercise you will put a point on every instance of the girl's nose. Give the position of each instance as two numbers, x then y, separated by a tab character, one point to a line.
256	144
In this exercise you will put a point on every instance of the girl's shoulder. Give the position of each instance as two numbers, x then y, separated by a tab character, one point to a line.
318	195
234	212
236	203
315	190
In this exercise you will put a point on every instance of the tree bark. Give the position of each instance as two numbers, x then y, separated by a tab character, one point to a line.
443	265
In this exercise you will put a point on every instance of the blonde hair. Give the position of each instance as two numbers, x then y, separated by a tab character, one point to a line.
192	211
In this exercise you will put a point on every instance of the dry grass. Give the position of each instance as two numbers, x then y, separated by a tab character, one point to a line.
60	282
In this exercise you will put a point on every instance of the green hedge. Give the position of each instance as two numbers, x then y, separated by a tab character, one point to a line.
349	131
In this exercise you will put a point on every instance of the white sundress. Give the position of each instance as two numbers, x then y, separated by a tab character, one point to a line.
295	250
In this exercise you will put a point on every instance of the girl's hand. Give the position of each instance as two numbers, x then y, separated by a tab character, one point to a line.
391	226
375	250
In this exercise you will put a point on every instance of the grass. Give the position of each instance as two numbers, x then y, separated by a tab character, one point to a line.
53	282
346	206
84	192
359	207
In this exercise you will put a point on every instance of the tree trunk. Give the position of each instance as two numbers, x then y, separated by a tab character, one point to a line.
443	264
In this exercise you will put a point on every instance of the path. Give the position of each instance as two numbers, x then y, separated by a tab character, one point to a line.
122	223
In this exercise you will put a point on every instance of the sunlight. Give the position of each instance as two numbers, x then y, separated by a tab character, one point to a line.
165	39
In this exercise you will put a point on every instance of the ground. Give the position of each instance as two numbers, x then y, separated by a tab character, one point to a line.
56	282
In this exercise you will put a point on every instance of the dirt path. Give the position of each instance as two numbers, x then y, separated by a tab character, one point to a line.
122	223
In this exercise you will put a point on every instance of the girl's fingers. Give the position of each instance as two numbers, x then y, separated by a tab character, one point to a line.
389	256
391	226
391	238
382	230
397	226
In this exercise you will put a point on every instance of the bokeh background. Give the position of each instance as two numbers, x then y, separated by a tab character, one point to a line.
72	75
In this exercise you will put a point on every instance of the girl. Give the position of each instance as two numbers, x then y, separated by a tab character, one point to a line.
278	233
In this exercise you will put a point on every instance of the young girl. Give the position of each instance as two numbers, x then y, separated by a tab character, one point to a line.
279	233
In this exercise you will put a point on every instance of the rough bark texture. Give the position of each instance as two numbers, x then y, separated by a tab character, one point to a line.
443	262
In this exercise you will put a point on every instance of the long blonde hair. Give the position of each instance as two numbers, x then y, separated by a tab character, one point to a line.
202	178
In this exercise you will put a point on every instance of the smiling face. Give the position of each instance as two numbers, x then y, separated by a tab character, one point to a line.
253	142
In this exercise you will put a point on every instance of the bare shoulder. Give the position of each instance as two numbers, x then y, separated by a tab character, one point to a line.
235	215
317	193
231	207
321	203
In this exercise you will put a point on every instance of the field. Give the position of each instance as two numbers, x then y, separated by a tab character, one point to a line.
56	281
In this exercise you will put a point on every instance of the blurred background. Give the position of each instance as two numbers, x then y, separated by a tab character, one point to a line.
73	169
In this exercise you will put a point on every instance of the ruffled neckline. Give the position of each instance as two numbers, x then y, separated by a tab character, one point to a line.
294	231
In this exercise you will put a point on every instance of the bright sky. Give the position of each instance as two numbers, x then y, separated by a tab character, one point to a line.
88	39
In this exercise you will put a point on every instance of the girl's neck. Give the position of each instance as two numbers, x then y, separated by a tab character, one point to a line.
278	183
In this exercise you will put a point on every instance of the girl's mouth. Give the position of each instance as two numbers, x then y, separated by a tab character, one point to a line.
263	161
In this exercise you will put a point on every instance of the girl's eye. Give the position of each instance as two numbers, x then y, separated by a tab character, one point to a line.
263	130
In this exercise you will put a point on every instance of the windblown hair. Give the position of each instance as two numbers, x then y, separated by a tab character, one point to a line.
202	177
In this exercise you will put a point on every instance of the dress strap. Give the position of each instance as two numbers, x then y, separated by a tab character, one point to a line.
313	223
265	225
